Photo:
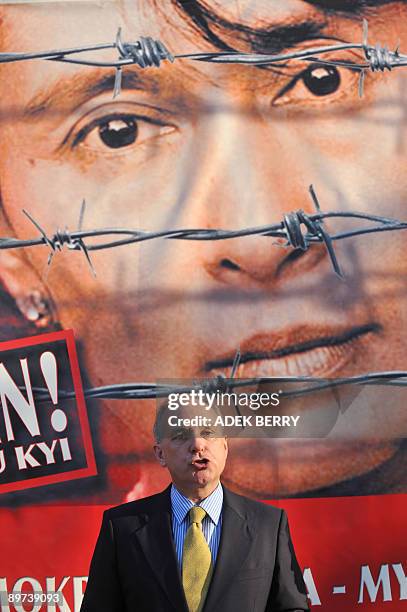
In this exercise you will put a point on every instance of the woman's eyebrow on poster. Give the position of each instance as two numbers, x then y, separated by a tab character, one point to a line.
292	30
354	8
70	92
271	35
274	38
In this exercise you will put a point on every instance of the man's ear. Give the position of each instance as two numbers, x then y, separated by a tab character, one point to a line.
159	453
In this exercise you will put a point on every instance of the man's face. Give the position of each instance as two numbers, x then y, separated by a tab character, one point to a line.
202	145
195	455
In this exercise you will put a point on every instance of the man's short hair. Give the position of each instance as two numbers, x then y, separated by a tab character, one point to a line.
159	422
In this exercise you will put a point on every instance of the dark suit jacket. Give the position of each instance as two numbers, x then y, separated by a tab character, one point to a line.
134	566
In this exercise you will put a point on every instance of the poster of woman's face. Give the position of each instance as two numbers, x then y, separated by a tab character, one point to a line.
208	145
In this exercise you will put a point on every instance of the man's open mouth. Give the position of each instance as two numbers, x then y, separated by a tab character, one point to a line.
300	351
200	464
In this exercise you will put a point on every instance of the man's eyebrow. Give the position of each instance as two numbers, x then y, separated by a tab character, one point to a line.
70	92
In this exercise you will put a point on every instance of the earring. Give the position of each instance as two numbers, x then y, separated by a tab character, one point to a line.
23	291
36	309
19	298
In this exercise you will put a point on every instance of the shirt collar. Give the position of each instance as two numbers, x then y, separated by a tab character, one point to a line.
212	504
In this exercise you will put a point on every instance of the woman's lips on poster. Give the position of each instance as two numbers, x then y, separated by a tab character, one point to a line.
298	351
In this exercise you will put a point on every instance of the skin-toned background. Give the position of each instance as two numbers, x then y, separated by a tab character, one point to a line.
214	146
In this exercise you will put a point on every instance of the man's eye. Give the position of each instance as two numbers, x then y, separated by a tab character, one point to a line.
180	435
208	433
321	80
119	132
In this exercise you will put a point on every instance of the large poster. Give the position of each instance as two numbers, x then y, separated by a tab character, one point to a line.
190	188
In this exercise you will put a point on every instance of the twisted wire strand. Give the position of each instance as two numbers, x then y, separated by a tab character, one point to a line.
298	229
148	52
141	390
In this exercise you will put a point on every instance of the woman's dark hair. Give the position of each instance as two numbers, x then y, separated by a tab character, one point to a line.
212	25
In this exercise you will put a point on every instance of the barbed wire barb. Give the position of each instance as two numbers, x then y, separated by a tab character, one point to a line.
325	236
236	363
61	238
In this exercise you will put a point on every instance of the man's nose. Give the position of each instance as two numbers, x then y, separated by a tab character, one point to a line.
249	179
197	444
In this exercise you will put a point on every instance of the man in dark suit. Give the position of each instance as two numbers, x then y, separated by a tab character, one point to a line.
196	546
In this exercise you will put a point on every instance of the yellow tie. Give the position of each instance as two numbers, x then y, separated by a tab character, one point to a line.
196	562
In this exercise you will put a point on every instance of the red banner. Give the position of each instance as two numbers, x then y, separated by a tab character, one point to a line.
352	551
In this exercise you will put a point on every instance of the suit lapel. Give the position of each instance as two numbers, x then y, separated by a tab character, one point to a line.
234	546
155	538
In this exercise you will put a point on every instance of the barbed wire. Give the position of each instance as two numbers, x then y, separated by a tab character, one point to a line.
148	52
298	229
148	390
225	385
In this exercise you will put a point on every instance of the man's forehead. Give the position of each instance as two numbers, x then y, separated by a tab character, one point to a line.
190	411
191	418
